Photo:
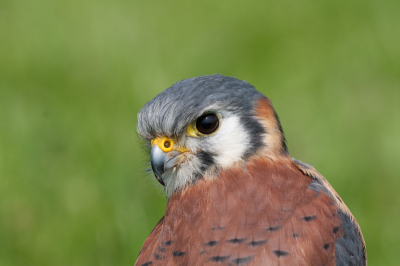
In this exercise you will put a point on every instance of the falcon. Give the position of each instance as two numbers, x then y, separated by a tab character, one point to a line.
235	196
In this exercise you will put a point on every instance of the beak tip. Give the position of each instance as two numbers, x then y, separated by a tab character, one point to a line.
159	179
162	162
158	175
158	158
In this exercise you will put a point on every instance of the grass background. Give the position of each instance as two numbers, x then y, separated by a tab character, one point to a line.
73	75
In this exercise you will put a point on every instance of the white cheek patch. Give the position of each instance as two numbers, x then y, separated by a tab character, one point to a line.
229	143
227	146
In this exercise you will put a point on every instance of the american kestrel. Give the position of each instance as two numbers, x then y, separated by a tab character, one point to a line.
235	196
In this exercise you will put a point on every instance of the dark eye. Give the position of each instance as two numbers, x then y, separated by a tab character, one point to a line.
207	123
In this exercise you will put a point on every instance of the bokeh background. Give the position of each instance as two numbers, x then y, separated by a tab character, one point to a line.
74	74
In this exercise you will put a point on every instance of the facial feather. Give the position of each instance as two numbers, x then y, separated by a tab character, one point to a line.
224	148
239	136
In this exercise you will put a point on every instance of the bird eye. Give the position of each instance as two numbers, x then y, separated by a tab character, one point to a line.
207	124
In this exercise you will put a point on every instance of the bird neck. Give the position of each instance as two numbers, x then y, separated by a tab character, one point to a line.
259	180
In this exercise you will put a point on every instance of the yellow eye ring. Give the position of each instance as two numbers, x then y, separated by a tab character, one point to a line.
194	131
164	143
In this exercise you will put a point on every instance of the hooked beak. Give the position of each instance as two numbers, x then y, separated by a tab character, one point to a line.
163	161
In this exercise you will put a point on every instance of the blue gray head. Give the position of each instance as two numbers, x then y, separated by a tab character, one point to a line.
202	125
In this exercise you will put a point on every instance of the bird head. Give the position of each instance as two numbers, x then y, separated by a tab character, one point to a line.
203	125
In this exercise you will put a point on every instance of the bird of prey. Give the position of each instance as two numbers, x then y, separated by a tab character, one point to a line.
235	196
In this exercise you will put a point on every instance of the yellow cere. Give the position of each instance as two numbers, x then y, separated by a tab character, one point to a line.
165	144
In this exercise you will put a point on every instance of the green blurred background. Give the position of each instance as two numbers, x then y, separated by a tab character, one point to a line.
74	74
